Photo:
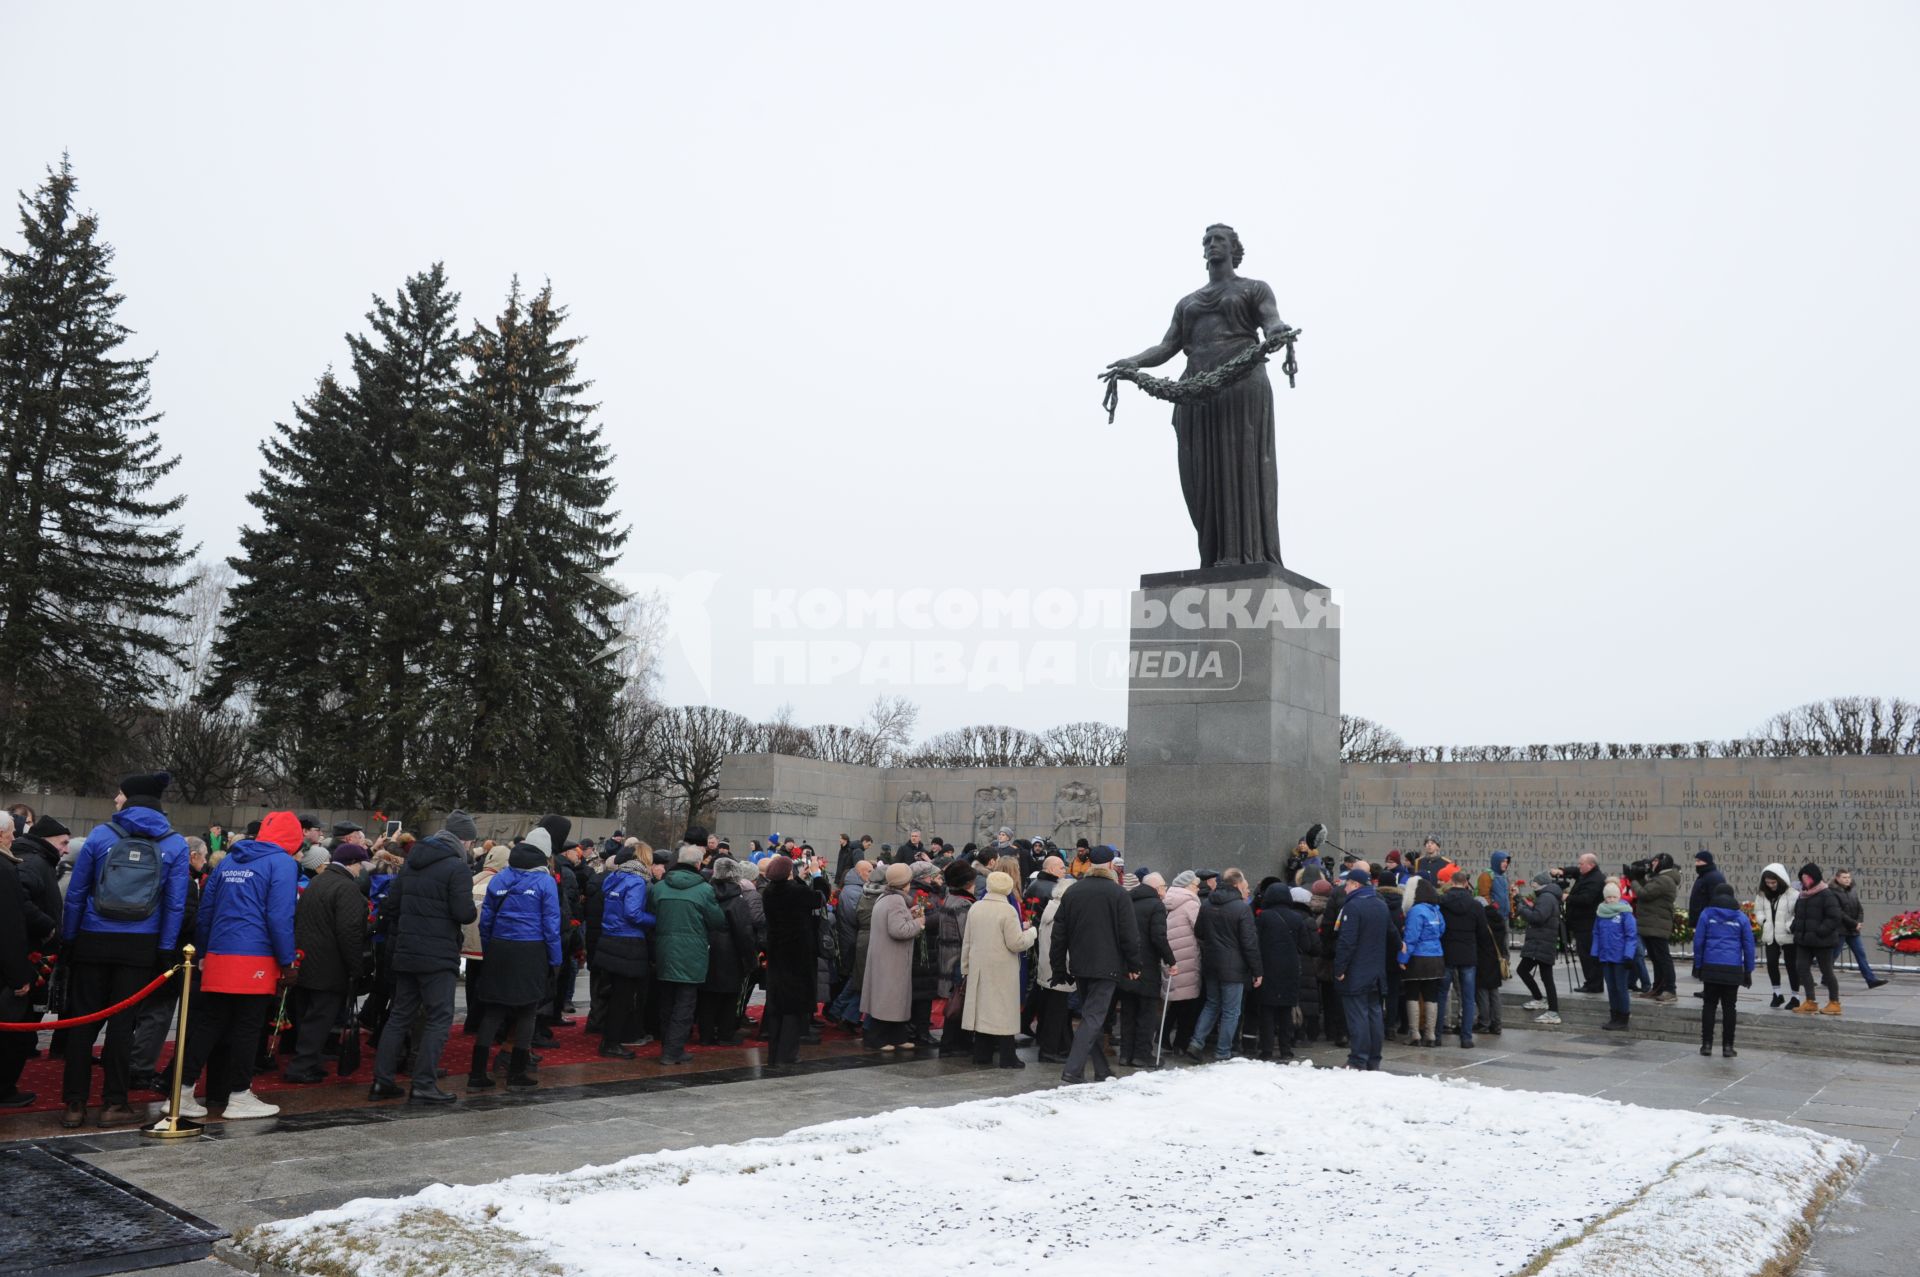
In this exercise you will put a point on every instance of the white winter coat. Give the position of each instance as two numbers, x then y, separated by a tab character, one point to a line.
1776	916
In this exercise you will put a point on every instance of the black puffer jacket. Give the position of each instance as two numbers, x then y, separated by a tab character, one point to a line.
40	883
1818	920
430	899
1229	942
330	930
1465	920
1150	919
1542	916
1288	945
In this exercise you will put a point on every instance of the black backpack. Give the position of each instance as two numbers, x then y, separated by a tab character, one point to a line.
127	888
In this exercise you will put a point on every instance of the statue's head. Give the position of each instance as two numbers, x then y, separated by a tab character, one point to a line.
1221	241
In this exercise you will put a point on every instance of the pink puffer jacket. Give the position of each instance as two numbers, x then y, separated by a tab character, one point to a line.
1183	910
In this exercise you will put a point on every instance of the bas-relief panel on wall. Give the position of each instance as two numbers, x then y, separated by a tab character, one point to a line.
1076	813
915	811
993	806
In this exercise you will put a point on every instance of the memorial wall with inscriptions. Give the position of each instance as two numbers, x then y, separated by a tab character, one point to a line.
1858	813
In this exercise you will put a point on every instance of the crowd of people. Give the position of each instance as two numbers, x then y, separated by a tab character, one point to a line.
307	937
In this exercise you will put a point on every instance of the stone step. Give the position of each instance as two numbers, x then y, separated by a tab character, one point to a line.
1759	1026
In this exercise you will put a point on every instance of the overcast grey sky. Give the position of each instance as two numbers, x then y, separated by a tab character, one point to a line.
1606	421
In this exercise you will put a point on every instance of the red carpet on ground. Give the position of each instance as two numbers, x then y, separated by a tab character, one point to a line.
574	1046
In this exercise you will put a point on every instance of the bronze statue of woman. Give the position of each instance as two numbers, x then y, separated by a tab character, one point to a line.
1226	449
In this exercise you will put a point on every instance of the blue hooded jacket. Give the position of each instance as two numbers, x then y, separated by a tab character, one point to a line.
164	922
523	904
1424	929
625	914
246	911
1499	891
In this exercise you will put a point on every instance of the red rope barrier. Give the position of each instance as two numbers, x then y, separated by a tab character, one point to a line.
108	1013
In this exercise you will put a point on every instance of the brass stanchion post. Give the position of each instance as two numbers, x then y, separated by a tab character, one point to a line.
173	1126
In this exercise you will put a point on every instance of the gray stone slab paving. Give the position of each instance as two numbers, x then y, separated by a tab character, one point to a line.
239	1182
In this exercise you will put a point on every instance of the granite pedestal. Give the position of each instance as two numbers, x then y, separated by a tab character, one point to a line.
1233	718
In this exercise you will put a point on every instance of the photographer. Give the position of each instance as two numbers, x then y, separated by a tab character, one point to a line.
1656	893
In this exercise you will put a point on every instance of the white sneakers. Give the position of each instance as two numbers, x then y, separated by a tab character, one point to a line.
1549	1017
244	1105
1538	1004
191	1107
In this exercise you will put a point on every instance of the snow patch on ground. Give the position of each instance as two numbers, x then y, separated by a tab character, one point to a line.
1187	1170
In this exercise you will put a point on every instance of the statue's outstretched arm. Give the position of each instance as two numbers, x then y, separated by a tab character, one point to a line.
1154	356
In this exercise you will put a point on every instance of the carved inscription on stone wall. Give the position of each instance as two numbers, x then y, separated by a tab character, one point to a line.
1874	831
1763	815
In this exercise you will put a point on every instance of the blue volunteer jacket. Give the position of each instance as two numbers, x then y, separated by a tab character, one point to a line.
1723	938
246	915
1424	929
1615	939
624	896
522	904
164	923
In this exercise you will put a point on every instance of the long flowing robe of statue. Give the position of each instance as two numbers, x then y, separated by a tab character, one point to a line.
1227	468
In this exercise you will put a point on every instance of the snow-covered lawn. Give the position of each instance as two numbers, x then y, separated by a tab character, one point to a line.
1239	1167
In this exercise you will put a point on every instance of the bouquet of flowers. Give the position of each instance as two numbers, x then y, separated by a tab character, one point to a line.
1902	933
1747	908
1682	927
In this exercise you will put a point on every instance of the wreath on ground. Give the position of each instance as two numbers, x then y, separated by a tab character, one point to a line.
1902	933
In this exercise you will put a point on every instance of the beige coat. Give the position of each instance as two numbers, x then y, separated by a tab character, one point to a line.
990	961
886	990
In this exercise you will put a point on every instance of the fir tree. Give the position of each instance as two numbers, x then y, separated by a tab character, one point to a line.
89	565
534	666
335	624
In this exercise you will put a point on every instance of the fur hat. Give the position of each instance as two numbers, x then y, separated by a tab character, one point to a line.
1000	884
725	869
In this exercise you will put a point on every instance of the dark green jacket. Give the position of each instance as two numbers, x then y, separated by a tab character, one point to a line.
1653	904
684	908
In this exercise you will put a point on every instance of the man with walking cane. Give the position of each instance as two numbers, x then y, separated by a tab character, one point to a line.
1143	998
